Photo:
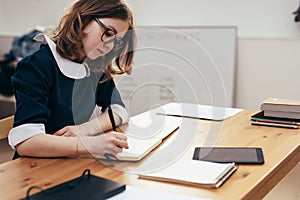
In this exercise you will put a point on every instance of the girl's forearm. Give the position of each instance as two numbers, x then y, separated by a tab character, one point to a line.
45	145
100	124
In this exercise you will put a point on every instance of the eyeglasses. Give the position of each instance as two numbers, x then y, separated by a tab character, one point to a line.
109	35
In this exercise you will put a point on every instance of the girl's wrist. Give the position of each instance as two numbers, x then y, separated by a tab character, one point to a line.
87	129
80	149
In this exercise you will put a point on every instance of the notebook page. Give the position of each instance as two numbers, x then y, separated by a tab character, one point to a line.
138	148
141	141
147	126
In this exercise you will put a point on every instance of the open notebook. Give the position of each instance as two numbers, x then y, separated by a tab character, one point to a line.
145	133
194	172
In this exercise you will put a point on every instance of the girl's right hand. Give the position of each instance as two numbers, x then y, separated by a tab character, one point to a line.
112	143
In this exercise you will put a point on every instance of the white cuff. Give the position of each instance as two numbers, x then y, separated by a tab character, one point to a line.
121	112
23	132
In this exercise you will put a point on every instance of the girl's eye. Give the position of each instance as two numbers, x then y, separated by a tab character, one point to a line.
109	33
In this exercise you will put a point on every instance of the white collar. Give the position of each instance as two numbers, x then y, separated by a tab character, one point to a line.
66	66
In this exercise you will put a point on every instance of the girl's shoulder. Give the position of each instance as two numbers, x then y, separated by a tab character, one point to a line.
42	55
41	60
39	65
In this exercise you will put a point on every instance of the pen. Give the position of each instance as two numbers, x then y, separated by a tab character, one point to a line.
112	120
111	117
109	156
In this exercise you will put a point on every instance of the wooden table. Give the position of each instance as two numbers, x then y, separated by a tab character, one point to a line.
280	146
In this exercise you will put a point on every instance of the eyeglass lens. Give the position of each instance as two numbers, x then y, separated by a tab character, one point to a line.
109	35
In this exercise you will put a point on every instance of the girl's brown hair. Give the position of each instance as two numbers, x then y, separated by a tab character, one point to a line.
70	32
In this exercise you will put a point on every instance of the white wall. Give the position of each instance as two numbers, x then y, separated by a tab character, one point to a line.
267	68
21	16
268	61
268	37
256	18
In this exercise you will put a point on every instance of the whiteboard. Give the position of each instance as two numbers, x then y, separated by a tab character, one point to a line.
180	64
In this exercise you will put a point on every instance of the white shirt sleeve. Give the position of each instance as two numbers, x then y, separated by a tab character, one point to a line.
23	132
121	112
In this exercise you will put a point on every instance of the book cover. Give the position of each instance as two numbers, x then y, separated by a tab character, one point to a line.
279	104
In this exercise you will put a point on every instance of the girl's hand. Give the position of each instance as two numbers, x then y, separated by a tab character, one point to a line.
68	131
112	143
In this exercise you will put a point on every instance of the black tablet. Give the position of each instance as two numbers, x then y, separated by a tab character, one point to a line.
241	155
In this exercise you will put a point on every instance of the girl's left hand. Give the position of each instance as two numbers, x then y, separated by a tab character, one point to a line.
68	131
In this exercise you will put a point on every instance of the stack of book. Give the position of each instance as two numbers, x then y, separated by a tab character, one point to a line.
278	112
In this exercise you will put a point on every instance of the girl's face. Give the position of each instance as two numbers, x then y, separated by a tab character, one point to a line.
102	35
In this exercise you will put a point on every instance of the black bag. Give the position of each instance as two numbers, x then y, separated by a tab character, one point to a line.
87	187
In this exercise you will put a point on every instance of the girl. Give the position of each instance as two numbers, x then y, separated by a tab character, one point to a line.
61	88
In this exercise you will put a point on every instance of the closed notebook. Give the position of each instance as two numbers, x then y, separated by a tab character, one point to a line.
274	124
192	172
283	114
262	120
87	187
260	116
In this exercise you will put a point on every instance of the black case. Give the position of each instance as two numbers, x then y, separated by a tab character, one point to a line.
87	186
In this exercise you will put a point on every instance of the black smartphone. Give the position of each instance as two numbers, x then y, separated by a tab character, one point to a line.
240	155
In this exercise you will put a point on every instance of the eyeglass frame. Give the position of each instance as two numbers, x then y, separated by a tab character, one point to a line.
118	43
